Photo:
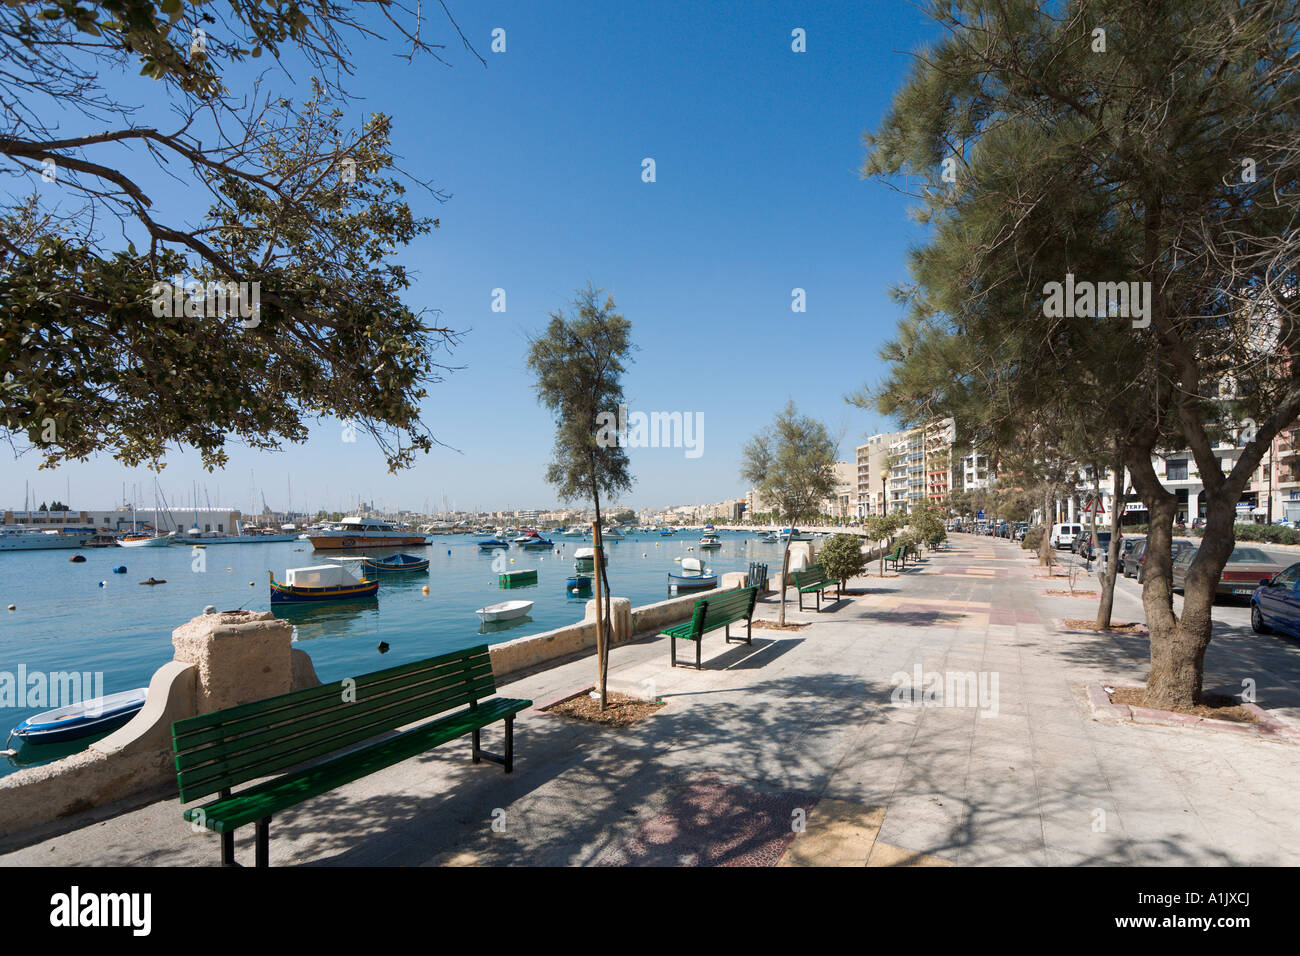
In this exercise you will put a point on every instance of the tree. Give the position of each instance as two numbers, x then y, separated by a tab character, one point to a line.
842	558
1163	156
578	363
130	324
792	465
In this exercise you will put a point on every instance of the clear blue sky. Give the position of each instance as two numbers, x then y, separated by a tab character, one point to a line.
757	150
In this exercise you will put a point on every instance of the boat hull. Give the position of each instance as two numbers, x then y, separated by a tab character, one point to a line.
354	542
42	542
291	594
692	582
70	723
410	564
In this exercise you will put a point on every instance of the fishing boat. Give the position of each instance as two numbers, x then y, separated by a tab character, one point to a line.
612	533
584	559
493	543
770	538
710	541
354	533
80	720
505	611
695	576
794	534
395	562
667	532
323	582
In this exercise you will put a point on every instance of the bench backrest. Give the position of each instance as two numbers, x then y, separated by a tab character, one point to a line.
726	607
757	575
232	746
813	574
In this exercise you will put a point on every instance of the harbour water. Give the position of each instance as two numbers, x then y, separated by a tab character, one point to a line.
64	620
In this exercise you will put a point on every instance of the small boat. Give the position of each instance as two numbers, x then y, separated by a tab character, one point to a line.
120	569
612	533
323	582
584	559
515	579
667	533
578	584
770	538
694	576
709	541
396	562
492	543
576	532
80	720
505	611
538	543
525	537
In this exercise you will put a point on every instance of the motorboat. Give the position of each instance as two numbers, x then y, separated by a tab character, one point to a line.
694	576
340	581
505	611
492	544
156	540
612	533
584	559
770	538
80	720
21	538
356	533
538	543
710	541
579	584
577	531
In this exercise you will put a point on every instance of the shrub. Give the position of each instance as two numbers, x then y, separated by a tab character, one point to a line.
842	557
1033	538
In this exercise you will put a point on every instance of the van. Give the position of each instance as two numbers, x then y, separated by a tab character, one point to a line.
1063	534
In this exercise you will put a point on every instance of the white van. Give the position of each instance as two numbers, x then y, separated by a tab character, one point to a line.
1063	534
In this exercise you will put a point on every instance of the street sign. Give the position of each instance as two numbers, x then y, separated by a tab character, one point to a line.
1094	506
980	514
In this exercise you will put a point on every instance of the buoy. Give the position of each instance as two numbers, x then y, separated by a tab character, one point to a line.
101	583
383	647
120	569
512	560
449	550
425	589
77	558
251	584
643	554
14	608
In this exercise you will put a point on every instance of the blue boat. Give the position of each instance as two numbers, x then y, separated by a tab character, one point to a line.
81	720
667	533
396	562
491	543
537	543
578	584
694	577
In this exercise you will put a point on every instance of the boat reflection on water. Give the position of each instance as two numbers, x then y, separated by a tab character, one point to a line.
334	619
27	754
496	627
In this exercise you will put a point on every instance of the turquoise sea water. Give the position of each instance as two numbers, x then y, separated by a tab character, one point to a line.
65	621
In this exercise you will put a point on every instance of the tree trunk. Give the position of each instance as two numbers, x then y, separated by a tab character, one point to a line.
1045	545
1107	603
604	624
785	570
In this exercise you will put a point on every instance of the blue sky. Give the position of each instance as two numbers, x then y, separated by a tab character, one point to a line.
756	150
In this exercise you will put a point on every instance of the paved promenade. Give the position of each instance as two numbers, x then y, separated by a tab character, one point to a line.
793	752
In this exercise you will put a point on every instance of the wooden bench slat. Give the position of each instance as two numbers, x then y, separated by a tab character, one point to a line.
340	720
246	732
266	799
230	714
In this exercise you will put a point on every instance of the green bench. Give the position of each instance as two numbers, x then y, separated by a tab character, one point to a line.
813	578
898	555
217	751
711	613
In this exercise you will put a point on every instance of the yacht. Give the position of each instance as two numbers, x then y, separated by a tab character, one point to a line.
21	538
354	533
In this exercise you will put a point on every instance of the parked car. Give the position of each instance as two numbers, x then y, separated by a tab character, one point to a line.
1275	605
1021	529
1127	563
1136	561
1245	569
1064	534
1087	546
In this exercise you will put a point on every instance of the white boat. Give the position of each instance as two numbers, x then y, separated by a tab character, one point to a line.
505	611
355	533
612	533
144	541
20	538
576	532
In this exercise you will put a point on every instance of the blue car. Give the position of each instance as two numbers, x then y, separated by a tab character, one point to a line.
1275	605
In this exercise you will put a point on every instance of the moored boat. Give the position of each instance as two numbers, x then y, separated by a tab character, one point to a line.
80	720
505	611
710	541
354	533
396	562
493	543
20	538
323	582
695	576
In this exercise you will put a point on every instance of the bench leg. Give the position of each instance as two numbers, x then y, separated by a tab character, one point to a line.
228	848
263	841
801	600
749	631
672	643
510	744
476	752
698	641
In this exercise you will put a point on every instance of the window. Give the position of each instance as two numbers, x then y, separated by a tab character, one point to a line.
1176	469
